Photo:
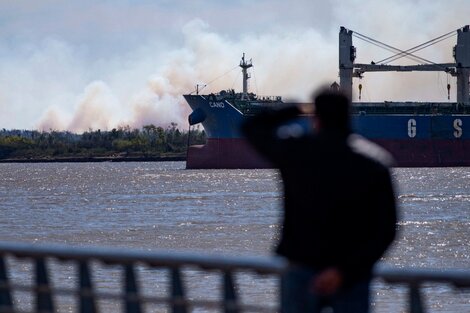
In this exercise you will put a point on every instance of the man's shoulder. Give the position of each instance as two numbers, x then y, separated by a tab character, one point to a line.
370	150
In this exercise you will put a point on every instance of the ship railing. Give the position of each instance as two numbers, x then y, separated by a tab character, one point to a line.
269	98
39	279
415	108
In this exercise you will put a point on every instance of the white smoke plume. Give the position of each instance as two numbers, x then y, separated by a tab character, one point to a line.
53	84
206	56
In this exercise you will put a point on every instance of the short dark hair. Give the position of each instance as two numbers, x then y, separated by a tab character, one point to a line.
332	108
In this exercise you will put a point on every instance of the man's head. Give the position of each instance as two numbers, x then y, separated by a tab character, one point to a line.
332	111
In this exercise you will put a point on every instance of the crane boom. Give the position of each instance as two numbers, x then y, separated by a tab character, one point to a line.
461	68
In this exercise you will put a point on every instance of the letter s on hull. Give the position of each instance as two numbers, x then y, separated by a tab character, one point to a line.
412	128
458	128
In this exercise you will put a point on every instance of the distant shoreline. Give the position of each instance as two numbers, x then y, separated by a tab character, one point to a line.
95	159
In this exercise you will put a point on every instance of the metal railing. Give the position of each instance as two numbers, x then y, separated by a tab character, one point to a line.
176	299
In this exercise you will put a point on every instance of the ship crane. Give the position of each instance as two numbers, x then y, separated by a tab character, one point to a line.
460	69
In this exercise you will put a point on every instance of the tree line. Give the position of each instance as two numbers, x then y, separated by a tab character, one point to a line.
124	141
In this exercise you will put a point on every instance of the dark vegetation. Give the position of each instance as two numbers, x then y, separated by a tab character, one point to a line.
119	143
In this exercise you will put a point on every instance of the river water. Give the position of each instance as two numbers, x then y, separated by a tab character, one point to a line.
164	206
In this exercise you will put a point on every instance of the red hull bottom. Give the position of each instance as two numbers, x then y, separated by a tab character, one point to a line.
225	153
237	153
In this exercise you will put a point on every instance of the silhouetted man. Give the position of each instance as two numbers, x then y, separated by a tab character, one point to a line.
339	204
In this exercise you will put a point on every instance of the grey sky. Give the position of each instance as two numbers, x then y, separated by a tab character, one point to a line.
128	60
124	24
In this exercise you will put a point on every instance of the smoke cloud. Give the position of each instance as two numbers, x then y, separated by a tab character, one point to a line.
57	84
206	56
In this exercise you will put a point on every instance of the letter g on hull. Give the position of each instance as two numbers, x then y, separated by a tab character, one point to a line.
412	128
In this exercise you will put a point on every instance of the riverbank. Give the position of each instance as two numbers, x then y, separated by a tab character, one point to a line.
149	144
96	159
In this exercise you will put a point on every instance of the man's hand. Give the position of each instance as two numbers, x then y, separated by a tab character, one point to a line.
306	108
327	281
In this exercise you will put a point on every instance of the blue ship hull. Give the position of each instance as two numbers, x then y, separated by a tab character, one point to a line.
414	139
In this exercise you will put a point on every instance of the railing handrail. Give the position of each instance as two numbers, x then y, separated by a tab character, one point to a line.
164	258
460	278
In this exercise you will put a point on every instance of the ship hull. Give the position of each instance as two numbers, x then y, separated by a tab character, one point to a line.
227	153
237	153
415	140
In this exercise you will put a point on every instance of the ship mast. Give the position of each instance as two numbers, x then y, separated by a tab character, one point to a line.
245	66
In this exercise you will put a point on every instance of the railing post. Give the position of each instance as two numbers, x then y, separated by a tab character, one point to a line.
416	304
177	292
5	295
87	299
44	301
132	302
282	291
230	296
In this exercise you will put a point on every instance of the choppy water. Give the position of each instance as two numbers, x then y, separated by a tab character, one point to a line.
162	205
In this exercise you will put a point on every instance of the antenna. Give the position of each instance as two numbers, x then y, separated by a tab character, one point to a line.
245	66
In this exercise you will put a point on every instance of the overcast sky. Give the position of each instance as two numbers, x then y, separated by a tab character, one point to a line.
100	64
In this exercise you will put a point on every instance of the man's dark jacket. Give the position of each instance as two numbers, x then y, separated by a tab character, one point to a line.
338	195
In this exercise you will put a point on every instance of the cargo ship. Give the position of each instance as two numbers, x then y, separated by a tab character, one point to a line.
417	134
